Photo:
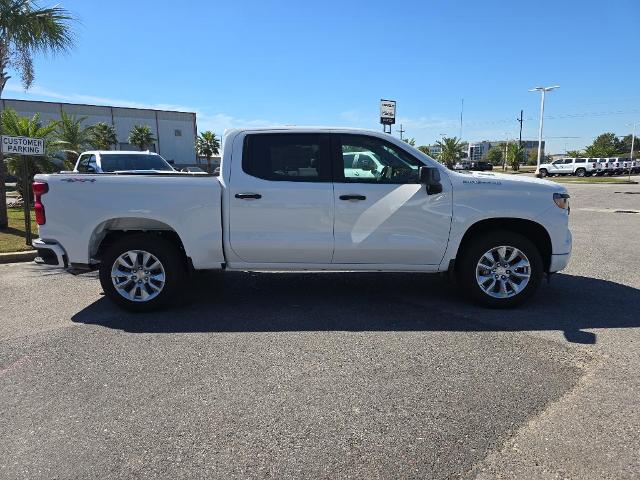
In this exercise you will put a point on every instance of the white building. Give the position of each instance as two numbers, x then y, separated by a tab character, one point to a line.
175	131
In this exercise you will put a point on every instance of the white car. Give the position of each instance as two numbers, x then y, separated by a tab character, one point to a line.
292	199
108	161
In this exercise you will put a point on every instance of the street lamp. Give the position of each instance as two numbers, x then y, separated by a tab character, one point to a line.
543	90
633	140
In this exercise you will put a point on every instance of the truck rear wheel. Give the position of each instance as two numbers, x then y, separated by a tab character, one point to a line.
500	269
142	273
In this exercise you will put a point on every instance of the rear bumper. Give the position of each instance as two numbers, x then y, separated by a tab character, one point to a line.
50	253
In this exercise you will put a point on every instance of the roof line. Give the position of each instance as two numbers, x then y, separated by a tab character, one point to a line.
92	105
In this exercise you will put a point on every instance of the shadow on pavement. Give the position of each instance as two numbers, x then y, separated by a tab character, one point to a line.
268	302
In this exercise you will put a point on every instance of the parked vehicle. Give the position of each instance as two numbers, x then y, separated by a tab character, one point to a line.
601	166
581	167
193	170
287	199
479	166
108	161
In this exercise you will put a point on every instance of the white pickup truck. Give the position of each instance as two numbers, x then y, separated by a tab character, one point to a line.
297	199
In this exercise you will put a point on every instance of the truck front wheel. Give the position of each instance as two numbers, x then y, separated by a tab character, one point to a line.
500	269
141	273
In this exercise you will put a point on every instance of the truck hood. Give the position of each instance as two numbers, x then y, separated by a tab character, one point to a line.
521	180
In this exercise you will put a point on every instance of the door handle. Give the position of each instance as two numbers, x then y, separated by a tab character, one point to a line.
246	196
352	197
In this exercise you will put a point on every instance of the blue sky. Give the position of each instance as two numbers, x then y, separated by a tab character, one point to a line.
245	63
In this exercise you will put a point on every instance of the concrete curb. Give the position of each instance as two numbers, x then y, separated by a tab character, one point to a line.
13	257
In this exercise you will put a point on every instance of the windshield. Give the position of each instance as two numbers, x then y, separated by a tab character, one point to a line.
123	161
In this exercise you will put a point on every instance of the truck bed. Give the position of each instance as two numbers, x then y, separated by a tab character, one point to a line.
80	210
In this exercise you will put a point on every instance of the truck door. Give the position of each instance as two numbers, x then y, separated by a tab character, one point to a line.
281	199
383	214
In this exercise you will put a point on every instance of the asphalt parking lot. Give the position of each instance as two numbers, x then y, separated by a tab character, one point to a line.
332	375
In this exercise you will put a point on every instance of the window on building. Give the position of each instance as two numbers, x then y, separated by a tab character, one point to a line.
177	132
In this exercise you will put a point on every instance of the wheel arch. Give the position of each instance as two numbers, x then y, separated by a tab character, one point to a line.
528	228
106	233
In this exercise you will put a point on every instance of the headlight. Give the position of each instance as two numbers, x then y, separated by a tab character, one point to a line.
562	200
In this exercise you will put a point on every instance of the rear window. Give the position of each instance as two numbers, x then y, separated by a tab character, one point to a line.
581	160
123	161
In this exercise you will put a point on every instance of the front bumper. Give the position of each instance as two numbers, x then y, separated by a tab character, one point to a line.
50	253
559	262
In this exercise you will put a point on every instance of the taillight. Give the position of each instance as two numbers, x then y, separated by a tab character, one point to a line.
39	189
594	165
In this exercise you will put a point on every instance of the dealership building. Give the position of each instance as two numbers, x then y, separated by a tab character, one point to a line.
478	150
175	132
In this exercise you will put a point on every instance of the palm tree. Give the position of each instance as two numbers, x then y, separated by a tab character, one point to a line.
27	29
207	145
14	125
72	137
515	155
452	150
141	137
102	136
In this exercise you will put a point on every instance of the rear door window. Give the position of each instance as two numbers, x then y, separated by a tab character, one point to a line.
288	157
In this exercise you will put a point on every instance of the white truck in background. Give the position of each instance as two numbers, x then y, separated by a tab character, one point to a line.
299	199
580	167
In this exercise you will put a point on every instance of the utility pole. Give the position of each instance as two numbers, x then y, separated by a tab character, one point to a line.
633	141
401	131
461	112
520	120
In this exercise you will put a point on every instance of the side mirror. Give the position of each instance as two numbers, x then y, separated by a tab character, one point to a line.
430	176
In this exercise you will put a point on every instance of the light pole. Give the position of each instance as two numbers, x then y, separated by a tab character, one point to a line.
633	140
543	90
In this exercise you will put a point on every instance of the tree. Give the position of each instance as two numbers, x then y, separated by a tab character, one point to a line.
410	141
605	145
72	137
26	30
574	153
452	150
14	125
102	136
207	145
495	155
424	149
625	146
141	137
515	155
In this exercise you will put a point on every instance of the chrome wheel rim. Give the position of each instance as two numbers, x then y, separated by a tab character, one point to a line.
138	276
503	272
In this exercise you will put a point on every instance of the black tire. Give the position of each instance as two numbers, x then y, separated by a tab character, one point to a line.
543	173
473	252
581	172
171	258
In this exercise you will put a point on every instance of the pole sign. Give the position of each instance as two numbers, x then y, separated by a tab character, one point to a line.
23	146
387	112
